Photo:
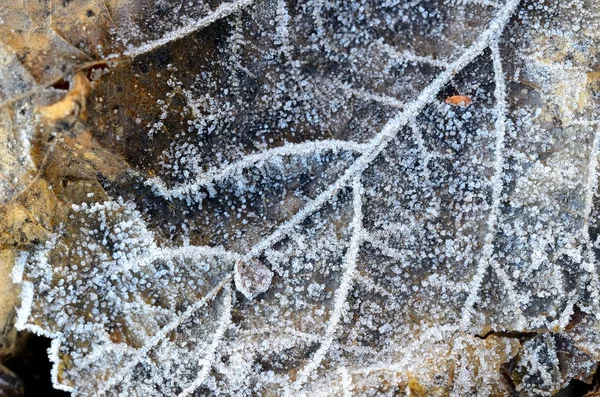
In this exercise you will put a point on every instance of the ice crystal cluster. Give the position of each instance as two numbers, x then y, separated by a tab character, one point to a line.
274	198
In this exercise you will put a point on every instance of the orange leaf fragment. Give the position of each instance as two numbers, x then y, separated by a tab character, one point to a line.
459	100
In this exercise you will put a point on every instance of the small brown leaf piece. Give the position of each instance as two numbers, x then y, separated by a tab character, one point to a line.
73	103
252	277
459	100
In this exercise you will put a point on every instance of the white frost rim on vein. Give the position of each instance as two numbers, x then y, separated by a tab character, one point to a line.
280	333
489	3
195	251
341	293
222	11
364	94
487	260
407	56
206	362
142	352
385	249
214	175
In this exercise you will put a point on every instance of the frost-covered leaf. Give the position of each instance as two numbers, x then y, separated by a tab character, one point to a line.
315	198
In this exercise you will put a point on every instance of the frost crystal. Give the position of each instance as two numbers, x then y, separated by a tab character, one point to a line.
281	198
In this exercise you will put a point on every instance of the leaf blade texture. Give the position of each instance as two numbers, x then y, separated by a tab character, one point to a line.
274	198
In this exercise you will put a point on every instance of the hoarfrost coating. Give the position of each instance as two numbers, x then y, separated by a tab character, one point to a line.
275	198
